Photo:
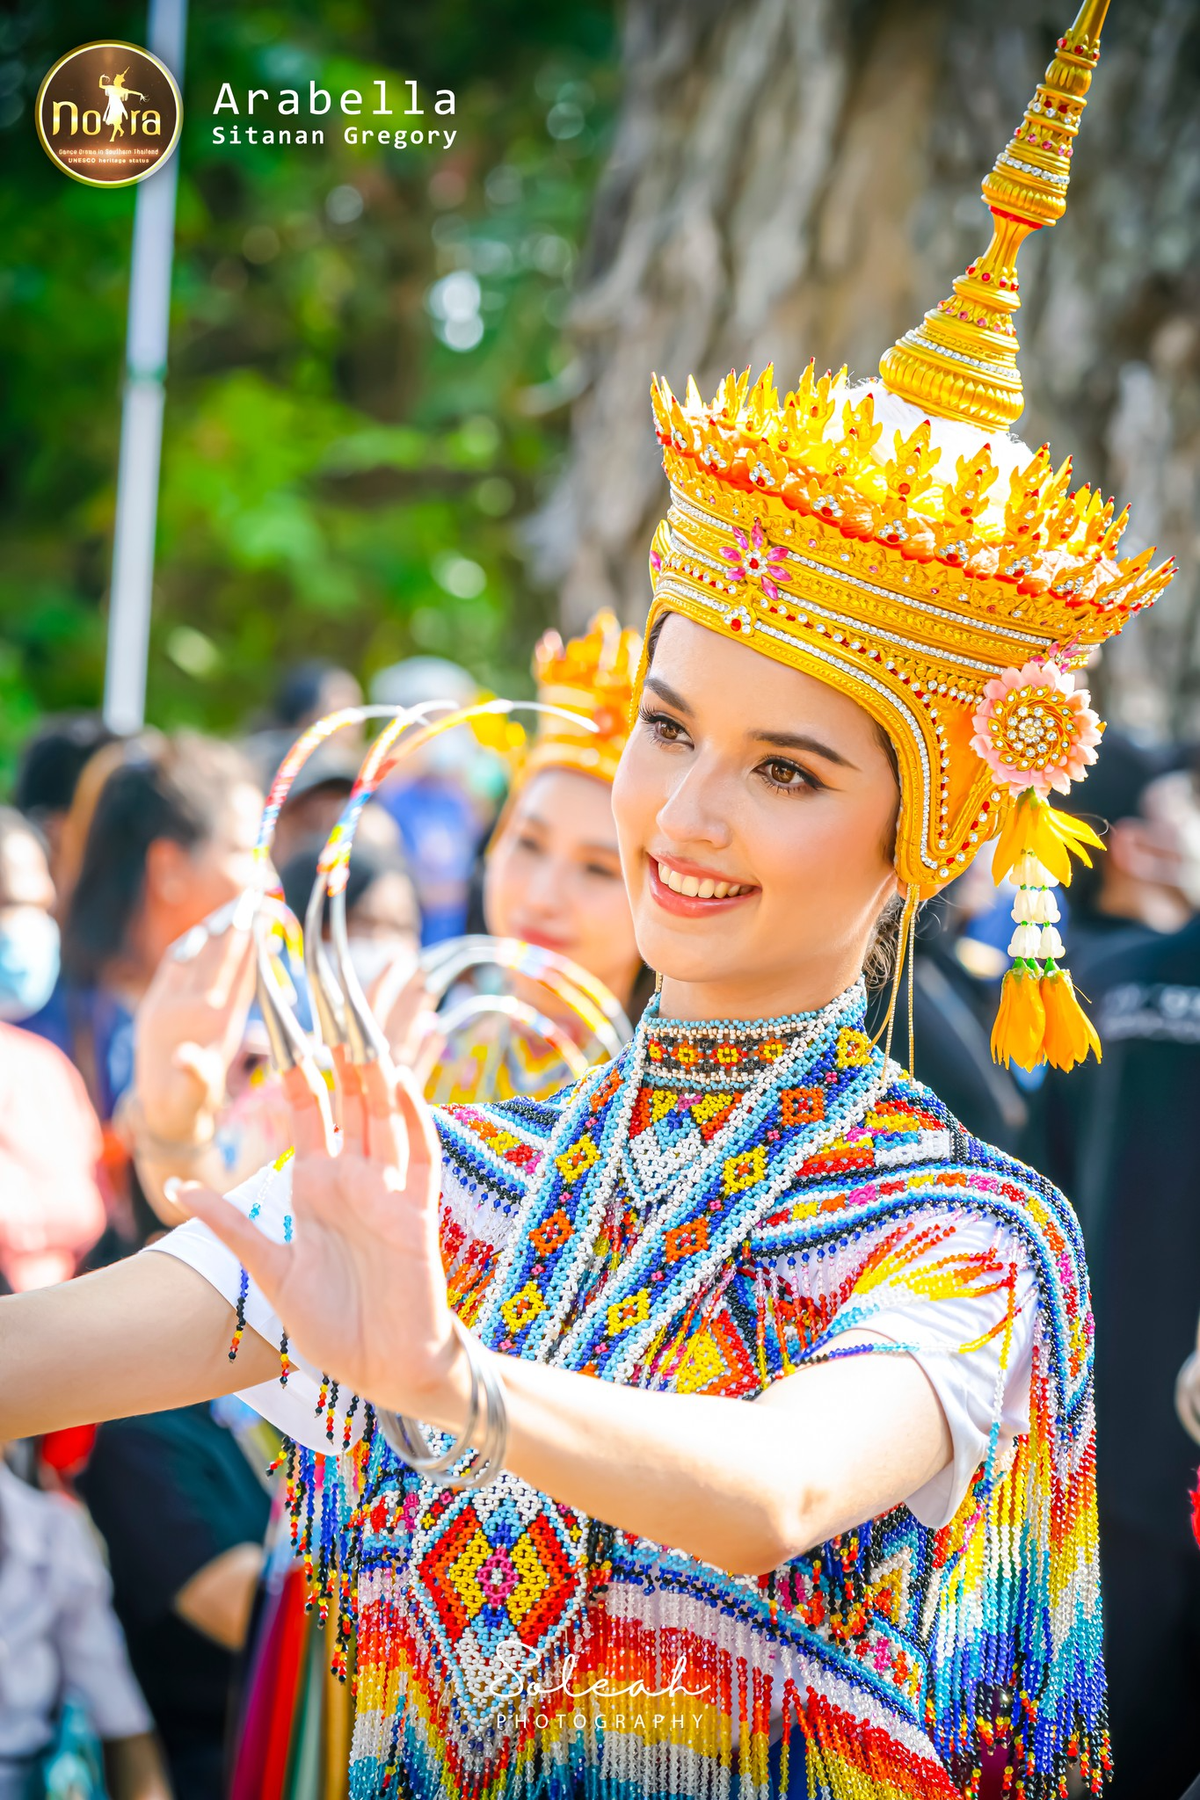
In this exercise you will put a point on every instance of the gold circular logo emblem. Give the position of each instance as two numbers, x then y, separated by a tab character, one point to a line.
109	114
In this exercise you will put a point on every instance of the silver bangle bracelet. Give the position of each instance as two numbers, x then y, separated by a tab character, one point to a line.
404	1436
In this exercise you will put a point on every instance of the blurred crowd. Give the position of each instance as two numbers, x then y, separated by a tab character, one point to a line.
132	1557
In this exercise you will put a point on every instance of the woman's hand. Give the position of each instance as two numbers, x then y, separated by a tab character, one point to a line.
190	1026
360	1288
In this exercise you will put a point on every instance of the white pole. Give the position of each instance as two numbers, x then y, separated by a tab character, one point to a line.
142	410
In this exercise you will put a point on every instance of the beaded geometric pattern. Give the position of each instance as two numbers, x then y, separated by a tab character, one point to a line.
820	1186
494	1568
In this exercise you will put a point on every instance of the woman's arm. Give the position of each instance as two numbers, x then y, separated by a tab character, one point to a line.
146	1334
219	1598
362	1292
744	1486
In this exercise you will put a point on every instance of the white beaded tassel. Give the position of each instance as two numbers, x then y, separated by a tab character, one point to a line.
1035	913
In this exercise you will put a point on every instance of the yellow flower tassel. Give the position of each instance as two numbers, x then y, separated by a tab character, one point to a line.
1020	1028
1033	828
1069	1034
1039	1019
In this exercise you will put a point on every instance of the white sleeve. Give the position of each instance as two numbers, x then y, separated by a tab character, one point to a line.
266	1198
948	1307
90	1642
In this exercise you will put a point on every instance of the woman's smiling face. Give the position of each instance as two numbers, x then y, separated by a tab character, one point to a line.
755	808
554	877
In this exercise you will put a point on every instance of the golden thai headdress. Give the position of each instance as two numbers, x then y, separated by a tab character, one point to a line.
592	676
893	540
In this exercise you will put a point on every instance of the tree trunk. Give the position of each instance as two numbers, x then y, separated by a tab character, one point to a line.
796	178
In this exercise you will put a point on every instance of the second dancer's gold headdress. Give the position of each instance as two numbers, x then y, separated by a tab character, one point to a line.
592	676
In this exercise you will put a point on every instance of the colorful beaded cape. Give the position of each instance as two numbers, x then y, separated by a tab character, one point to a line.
706	1215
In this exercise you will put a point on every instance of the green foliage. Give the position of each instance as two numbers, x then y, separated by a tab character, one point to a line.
338	479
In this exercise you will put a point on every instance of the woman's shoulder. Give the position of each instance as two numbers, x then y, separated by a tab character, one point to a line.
910	1154
492	1152
984	1166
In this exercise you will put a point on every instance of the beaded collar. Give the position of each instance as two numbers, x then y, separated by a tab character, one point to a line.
803	1081
719	1054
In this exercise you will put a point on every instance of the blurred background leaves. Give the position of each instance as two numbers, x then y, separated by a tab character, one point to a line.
368	381
406	407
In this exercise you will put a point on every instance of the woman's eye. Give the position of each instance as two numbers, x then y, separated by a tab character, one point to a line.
664	728
789	777
524	842
601	870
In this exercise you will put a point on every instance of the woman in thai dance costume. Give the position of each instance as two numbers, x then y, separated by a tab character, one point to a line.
553	882
769	1452
553	870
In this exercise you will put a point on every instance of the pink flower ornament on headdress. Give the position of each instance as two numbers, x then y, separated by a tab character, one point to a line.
1034	730
756	560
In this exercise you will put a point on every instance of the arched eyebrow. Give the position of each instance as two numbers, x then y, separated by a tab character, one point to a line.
595	848
669	695
800	740
783	740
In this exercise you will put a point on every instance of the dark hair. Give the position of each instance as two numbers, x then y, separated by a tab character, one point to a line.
367	865
177	788
299	693
53	759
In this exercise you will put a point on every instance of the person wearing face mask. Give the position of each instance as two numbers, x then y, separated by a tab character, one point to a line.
51	1204
29	937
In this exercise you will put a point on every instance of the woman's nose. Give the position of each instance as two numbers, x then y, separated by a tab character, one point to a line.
698	808
545	890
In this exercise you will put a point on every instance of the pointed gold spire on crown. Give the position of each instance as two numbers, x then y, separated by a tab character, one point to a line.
961	361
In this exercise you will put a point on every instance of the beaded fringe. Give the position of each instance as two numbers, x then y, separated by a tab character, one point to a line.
903	1659
709	1740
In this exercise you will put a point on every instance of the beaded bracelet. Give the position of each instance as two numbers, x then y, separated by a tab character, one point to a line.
402	1435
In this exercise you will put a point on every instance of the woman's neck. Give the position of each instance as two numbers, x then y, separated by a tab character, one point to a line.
773	995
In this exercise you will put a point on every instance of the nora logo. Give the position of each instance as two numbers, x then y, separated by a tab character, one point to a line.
108	114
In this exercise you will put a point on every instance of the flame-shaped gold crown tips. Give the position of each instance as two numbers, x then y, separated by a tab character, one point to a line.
592	675
961	361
